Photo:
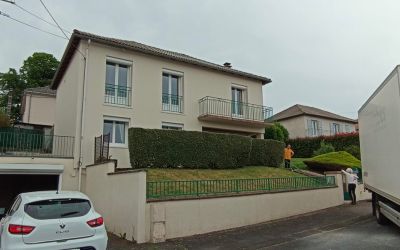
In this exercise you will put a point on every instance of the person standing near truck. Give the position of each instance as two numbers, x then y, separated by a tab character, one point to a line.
288	153
351	184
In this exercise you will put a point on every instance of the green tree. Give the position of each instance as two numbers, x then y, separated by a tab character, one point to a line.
276	132
37	71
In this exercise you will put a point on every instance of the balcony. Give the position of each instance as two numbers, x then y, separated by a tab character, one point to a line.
118	95
228	111
172	103
33	144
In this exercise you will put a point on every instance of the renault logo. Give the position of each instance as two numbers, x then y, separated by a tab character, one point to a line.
62	226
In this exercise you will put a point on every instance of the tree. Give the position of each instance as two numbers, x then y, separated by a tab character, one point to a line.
37	71
276	132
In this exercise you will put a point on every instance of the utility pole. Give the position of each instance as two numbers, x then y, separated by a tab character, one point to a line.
9	104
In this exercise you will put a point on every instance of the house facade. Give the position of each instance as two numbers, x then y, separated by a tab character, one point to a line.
106	85
305	121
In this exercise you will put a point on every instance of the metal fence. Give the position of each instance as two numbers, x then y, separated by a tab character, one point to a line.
203	188
231	109
30	144
101	148
172	103
119	95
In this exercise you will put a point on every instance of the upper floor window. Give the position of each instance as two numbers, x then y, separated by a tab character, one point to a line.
335	128
347	128
238	100
172	99
117	86
314	128
117	129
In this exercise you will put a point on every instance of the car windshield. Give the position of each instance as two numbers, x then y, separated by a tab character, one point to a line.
56	209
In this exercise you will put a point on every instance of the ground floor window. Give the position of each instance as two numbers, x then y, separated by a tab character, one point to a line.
172	126
117	130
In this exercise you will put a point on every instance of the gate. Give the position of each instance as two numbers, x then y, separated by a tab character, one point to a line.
101	148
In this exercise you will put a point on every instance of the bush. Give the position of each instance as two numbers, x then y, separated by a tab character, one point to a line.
324	148
305	147
192	149
276	132
353	150
333	161
4	120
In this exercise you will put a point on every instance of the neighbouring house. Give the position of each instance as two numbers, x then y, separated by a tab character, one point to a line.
105	85
38	109
305	121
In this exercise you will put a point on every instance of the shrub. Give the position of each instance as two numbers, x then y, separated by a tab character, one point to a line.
324	148
4	120
354	150
305	147
192	149
333	161
276	132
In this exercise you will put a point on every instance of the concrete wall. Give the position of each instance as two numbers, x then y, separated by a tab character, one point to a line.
39	109
171	219
69	176
146	109
297	126
120	198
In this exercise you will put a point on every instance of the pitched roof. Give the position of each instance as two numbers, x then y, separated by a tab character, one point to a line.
143	48
46	90
298	110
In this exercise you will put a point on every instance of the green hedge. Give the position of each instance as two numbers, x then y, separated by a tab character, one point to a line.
192	149
304	147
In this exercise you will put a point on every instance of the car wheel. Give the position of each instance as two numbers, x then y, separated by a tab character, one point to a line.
380	218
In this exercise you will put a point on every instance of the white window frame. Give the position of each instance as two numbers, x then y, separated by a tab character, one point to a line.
314	127
243	89
117	63
347	128
117	119
168	107
173	125
335	128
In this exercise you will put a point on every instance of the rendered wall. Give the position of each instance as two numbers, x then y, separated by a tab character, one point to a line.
39	109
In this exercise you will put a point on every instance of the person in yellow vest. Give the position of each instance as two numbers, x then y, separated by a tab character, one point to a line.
288	153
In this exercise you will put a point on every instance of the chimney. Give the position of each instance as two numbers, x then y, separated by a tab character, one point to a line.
228	65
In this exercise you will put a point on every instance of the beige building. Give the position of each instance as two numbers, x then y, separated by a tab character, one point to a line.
304	121
106	85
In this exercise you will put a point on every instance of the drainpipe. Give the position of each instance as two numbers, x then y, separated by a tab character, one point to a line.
29	112
82	126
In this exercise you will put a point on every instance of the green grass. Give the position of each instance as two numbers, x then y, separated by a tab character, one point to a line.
160	174
340	158
298	163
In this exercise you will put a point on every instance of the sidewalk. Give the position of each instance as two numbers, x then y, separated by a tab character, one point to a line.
263	235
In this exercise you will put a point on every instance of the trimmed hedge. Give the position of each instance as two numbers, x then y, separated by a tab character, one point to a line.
334	161
191	149
305	147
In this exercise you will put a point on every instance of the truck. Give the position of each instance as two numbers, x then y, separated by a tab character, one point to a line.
379	130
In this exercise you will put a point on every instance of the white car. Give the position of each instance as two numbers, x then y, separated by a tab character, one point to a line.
52	220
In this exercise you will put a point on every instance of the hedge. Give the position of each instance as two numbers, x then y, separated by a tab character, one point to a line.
304	147
191	149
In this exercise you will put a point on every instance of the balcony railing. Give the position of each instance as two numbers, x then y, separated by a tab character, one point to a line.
26	144
119	95
212	106
172	103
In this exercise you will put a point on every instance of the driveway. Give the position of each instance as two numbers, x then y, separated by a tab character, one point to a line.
343	227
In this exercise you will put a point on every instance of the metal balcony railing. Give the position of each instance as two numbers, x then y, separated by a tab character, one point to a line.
230	109
27	144
119	95
172	103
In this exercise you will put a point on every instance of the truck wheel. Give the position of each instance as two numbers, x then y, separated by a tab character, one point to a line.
380	218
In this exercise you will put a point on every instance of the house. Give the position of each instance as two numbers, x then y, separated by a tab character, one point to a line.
106	85
305	121
38	109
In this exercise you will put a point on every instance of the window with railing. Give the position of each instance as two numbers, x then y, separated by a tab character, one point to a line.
213	106
117	86
172	99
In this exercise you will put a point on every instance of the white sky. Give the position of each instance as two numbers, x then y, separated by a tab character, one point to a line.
324	53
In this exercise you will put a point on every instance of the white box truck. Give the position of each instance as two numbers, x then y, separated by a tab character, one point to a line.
379	127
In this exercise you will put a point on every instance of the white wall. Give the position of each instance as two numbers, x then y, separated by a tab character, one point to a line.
39	109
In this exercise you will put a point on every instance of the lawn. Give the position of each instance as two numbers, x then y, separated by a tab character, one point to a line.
298	163
159	174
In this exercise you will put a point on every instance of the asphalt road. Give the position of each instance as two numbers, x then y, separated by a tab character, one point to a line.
343	227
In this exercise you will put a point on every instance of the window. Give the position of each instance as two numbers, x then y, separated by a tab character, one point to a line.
172	126
57	209
117	87
15	206
335	128
347	128
117	130
314	128
172	99
238	98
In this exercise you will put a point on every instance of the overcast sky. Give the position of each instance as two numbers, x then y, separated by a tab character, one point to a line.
323	53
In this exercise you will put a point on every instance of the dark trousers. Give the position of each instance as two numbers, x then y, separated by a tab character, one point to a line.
352	192
287	163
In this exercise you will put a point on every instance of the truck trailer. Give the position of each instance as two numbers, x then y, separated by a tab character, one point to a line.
379	128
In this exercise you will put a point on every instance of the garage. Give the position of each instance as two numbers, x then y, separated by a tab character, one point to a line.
20	178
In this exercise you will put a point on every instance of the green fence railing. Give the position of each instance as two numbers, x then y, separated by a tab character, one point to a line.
201	188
